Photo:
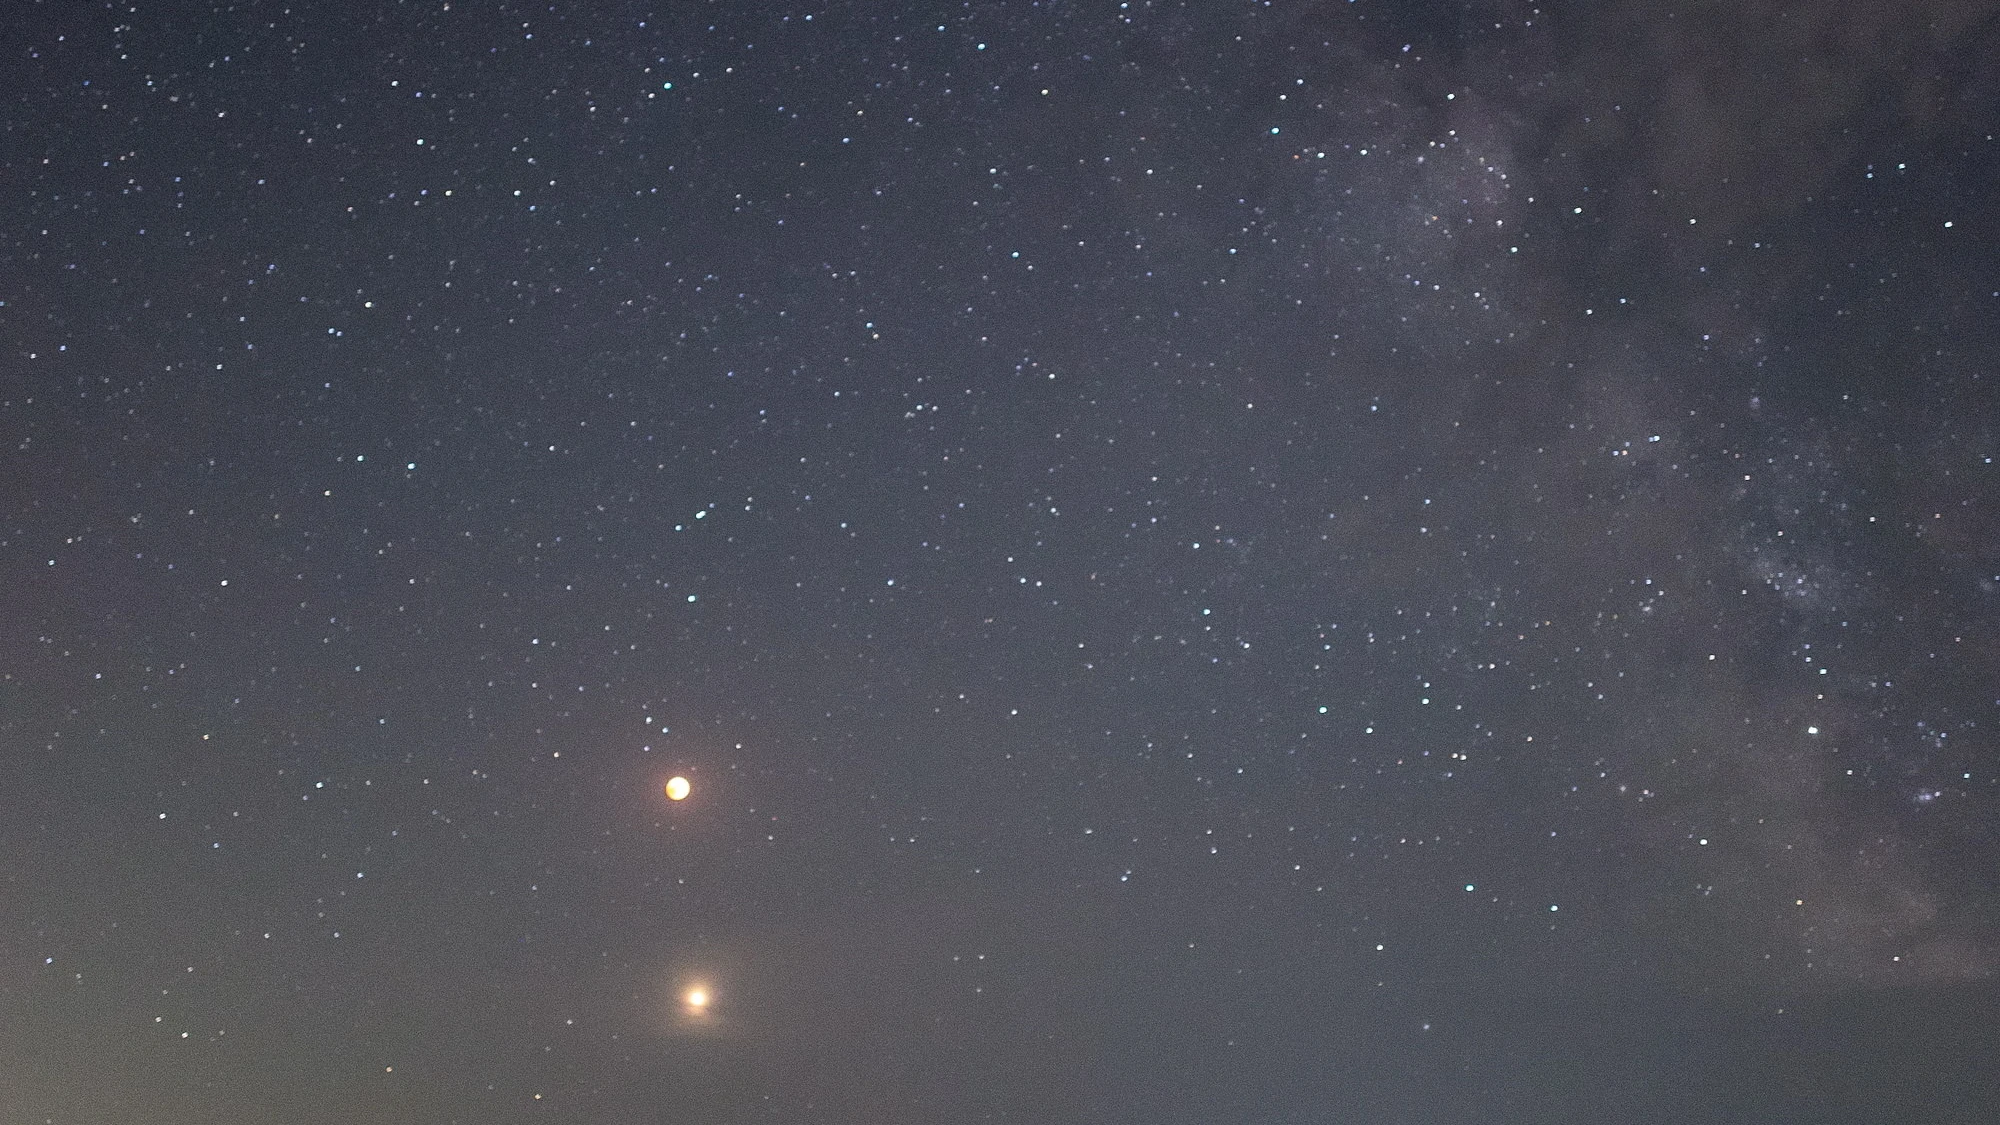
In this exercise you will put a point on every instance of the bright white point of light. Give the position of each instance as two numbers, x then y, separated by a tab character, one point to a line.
697	998
1812	730
677	788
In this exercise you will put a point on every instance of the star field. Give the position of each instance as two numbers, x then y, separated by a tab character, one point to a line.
1278	563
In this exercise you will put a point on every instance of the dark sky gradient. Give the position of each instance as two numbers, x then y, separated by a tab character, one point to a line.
1210	564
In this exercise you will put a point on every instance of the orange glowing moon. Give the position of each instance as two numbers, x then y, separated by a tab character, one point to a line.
677	788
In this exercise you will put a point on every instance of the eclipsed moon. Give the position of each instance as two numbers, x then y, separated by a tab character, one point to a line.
677	788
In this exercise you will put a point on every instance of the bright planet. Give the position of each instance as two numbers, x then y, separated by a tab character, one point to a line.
677	788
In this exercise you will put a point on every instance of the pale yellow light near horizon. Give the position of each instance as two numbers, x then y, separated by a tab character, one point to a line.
677	788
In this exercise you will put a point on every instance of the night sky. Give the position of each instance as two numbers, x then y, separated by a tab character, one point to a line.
1210	563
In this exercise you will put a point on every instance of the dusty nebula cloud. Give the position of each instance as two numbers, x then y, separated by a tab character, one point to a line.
1738	543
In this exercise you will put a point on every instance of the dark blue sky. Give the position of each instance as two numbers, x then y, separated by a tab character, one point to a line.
1273	563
